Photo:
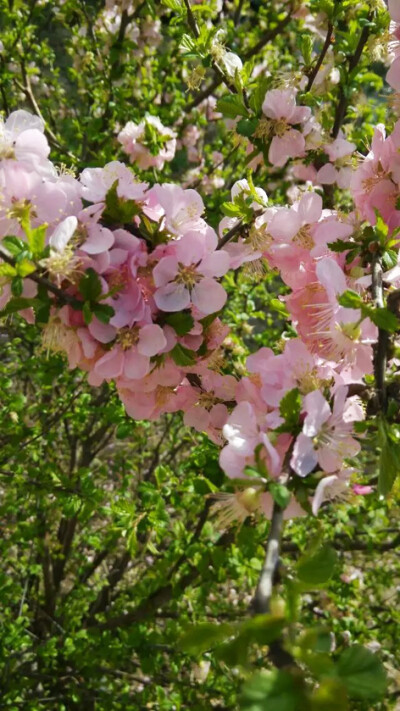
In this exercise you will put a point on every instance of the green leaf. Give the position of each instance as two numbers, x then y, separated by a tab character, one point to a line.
17	286
87	313
362	673
118	209
384	319
389	258
181	322
230	209
262	629
103	312
317	568
273	690
7	270
232	106
389	459
350	299
90	285
18	304
182	356
246	127
204	636
37	239
340	245
25	267
280	494
13	244
290	408
175	5
330	695
257	98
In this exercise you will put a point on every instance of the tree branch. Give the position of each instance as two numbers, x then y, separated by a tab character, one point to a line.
321	57
341	107
262	597
43	281
264	39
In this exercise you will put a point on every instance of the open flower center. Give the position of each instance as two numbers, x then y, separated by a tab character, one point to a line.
187	275
369	183
63	265
303	238
127	337
20	210
207	400
267	128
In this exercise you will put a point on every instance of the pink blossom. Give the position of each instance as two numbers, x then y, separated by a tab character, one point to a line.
206	409
135	141
96	182
186	277
130	356
326	438
280	107
178	210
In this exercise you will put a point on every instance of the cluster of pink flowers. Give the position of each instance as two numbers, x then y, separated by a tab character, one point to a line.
333	351
149	144
140	269
160	333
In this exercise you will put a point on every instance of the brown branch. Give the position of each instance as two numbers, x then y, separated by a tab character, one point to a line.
43	281
262	597
353	60
237	229
266	37
27	90
321	57
217	69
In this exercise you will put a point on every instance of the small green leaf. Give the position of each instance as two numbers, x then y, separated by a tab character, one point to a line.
258	95
389	459
275	690
103	312
87	313
18	304
280	494
362	673
118	209
246	127
182	356
384	319
317	568
25	267
37	239
13	244
7	270
290	408
181	322
232	106
204	636
350	299
90	285
340	245
17	286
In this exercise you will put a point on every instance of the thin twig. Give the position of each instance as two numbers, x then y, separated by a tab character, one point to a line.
43	281
341	107
264	39
262	597
321	57
27	89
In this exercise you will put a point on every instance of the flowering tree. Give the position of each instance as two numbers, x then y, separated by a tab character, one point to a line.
200	212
